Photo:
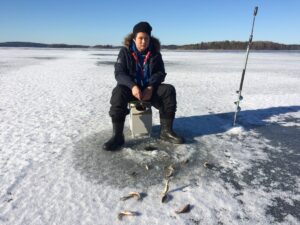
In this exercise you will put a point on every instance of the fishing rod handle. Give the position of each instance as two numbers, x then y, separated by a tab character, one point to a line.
255	10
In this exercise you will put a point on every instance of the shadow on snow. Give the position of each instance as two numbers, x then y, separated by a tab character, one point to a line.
195	126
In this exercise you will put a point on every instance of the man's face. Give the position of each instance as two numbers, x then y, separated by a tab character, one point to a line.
141	41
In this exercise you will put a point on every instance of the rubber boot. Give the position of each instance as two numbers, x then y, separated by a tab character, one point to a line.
117	139
167	133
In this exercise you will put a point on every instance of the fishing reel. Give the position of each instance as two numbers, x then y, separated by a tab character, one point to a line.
141	105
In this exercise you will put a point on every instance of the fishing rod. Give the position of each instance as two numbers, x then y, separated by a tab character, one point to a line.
239	92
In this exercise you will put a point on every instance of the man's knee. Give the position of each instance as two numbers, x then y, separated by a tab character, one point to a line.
120	94
171	89
166	90
121	90
119	100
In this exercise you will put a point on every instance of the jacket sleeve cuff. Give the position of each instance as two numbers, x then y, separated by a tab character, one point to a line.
131	84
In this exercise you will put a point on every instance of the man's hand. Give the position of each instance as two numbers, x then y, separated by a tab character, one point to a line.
147	93
136	92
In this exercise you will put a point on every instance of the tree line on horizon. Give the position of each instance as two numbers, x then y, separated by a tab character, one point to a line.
214	45
233	45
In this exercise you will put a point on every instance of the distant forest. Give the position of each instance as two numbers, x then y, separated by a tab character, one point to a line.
215	45
235	45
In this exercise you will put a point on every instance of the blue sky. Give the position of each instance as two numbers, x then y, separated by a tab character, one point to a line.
94	22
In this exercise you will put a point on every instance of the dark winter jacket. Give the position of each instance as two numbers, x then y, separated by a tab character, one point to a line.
125	67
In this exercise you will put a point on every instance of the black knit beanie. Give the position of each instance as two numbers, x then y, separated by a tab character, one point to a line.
142	27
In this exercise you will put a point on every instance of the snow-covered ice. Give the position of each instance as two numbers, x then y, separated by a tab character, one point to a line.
54	118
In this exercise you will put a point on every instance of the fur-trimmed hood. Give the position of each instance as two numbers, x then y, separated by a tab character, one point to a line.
155	42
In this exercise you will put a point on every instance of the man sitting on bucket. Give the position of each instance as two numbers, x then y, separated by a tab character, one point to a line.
139	72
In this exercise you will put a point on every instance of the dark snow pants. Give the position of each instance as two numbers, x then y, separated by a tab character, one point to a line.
163	98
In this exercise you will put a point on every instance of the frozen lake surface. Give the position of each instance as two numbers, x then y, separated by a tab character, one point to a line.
54	119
